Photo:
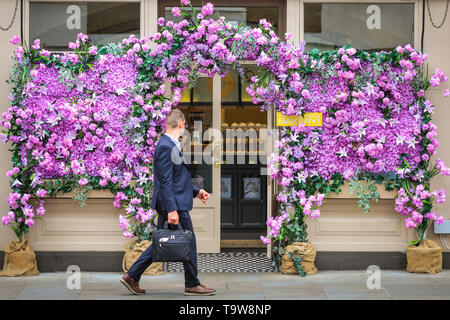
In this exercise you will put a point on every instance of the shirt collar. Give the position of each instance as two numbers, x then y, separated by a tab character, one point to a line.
174	140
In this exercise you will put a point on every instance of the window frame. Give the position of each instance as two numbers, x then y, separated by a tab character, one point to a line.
26	16
300	28
281	4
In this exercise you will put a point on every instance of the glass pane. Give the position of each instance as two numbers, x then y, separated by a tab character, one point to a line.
202	176
233	86
226	184
197	146
56	24
251	187
368	26
202	92
243	122
249	16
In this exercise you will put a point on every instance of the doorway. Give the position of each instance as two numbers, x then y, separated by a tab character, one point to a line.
243	170
226	146
240	211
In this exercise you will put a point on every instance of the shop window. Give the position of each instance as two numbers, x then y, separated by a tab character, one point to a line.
56	24
248	16
244	124
367	26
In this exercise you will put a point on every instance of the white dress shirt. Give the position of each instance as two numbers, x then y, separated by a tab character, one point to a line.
174	140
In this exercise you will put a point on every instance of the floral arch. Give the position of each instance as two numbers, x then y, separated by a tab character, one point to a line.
90	118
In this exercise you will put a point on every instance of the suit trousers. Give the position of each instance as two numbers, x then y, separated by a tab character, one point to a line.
190	267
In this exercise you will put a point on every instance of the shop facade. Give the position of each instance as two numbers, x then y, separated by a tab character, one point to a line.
235	173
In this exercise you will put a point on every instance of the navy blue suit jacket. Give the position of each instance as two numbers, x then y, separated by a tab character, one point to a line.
172	189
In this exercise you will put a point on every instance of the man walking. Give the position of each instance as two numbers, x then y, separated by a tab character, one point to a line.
172	198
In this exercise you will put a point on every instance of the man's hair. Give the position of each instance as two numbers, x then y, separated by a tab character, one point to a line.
173	118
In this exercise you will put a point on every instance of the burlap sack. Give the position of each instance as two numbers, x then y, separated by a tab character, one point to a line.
20	260
307	253
131	255
425	258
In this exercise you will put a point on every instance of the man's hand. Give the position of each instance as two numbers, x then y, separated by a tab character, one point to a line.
203	195
173	217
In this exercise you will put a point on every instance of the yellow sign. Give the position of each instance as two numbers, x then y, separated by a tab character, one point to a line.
311	119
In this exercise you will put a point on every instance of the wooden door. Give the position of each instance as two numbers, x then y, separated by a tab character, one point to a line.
202	149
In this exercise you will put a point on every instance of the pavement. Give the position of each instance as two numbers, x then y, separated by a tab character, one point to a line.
329	284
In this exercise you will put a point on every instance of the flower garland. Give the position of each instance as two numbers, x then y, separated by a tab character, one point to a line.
377	126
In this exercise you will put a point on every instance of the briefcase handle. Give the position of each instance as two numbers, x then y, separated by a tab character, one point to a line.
166	226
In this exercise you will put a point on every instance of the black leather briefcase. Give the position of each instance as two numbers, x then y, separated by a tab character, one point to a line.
172	245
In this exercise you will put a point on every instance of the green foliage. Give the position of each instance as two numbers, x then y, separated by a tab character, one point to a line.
297	261
366	193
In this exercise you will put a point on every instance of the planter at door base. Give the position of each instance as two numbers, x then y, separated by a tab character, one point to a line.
307	253
19	260
132	254
424	258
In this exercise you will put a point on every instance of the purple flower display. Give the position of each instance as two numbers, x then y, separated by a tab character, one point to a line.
90	118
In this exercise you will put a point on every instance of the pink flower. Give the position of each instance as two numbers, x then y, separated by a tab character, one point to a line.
446	92
410	223
41	193
15	40
41	210
399	49
74	45
36	44
160	21
305	93
350	51
93	50
6	220
265	240
135	201
176	11
207	9
315	213
11	215
45	53
82	37
29	222
83	181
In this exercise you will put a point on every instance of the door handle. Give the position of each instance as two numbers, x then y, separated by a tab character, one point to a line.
217	161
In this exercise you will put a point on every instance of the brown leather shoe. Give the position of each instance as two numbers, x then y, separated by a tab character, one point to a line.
200	290
214	290
131	284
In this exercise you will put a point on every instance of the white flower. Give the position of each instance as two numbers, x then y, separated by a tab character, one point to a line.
342	152
411	143
382	121
400	139
301	176
120	91
381	139
369	89
393	122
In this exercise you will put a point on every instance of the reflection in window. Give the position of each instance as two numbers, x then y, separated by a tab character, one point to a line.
56	24
202	92
226	187
251	187
196	104
248	16
233	87
368	26
243	123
